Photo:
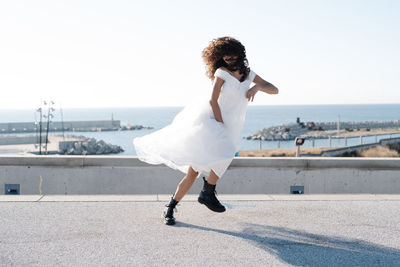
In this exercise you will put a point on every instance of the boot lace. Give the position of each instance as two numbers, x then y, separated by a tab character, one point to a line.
174	208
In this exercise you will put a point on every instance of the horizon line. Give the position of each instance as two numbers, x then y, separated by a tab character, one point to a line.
252	105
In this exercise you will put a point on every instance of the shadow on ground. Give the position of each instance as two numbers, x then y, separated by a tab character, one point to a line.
300	248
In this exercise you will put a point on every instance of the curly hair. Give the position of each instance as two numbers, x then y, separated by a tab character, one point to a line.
225	46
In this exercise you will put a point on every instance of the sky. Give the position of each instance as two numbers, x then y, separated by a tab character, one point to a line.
148	53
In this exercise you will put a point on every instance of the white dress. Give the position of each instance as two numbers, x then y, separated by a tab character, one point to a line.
195	138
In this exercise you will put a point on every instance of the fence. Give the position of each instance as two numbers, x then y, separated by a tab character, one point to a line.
347	141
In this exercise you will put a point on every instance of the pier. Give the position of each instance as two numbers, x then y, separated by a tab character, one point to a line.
324	130
74	126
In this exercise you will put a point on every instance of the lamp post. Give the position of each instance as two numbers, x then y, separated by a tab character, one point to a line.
40	129
49	116
36	129
62	122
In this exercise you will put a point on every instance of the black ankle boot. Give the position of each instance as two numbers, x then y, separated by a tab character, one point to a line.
168	213
208	198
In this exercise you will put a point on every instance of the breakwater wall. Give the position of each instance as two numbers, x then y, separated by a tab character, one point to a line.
353	125
292	130
20	140
28	127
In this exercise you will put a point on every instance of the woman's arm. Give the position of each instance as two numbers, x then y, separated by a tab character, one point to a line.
261	85
218	82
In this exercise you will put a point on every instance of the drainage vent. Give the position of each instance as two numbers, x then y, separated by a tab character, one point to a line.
11	189
296	189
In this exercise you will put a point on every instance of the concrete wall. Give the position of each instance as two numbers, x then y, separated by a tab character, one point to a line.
128	175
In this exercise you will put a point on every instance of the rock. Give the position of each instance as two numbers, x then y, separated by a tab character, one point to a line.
286	136
70	151
101	149
78	146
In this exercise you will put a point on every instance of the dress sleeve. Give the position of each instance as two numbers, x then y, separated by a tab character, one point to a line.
252	75
220	74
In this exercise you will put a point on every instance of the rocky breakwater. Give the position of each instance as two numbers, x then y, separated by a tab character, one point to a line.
282	132
324	129
87	146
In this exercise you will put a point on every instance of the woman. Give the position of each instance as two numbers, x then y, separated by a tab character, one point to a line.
204	137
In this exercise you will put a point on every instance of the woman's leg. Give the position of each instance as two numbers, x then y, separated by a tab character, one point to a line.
181	190
185	184
212	178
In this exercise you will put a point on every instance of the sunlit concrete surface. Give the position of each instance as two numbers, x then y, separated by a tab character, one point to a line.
268	230
193	197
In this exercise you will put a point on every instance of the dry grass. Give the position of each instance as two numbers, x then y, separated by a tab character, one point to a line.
282	152
378	151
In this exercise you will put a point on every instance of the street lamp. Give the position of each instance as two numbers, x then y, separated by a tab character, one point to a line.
49	117
40	129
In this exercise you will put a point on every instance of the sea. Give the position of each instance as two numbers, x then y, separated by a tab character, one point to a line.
257	118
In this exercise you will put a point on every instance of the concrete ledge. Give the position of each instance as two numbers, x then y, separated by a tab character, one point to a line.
316	163
133	161
127	175
193	198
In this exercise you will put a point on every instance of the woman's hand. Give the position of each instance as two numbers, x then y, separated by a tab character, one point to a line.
252	92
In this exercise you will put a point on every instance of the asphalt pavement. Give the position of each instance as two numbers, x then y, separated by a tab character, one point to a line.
255	230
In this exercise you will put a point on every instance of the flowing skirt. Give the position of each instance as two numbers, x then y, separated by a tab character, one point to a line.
194	138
